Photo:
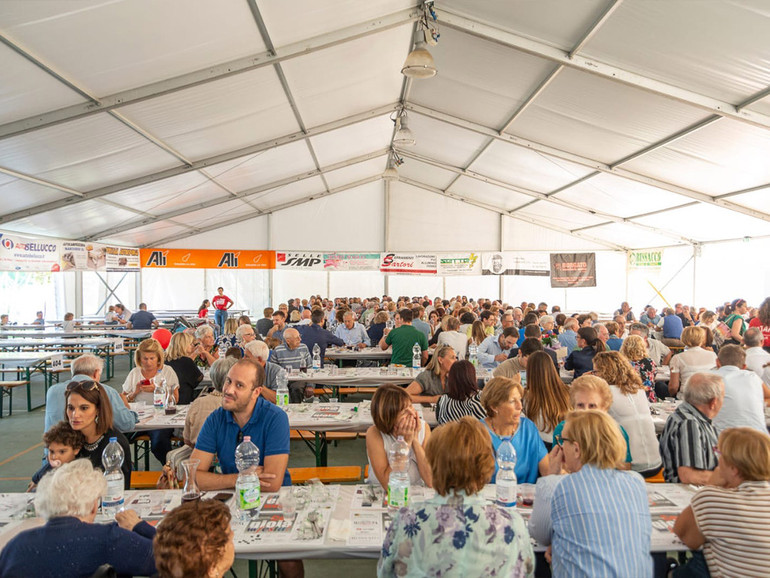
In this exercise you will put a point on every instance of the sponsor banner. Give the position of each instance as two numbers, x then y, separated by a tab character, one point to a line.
77	256
28	254
573	269
206	259
299	261
122	258
410	263
645	259
351	261
515	263
459	264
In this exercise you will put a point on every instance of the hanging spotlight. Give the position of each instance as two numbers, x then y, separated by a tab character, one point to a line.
419	63
391	172
403	136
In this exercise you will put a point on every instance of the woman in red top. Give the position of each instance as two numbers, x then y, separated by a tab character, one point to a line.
221	304
762	320
203	310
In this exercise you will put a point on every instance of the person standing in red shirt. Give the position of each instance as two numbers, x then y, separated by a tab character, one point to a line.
221	304
762	320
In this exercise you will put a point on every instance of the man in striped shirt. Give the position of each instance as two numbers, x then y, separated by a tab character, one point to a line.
689	437
292	354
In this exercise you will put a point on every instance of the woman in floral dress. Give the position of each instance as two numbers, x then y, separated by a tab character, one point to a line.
457	532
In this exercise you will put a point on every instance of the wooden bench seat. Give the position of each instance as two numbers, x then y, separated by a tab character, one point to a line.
330	436
6	390
146	480
327	475
354	390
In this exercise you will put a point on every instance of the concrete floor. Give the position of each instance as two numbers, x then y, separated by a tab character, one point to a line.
21	452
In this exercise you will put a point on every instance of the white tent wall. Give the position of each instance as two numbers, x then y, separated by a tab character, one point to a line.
522	236
175	288
604	298
424	221
347	221
95	292
250	234
727	271
674	280
291	284
22	294
473	286
355	284
412	285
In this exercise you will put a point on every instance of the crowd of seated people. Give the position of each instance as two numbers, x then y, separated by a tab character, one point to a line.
571	392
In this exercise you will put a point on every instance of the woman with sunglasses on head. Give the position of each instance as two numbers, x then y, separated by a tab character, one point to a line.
596	518
88	411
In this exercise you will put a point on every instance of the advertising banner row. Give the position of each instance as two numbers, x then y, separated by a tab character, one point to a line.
26	254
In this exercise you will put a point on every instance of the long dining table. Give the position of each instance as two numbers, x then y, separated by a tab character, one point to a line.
329	522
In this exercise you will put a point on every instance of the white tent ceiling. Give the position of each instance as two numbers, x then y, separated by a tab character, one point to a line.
626	124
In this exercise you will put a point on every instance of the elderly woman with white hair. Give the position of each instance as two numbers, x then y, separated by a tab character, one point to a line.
206	403
259	351
205	353
70	544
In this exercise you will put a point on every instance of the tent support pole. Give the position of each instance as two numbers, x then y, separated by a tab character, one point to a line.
500	278
386	232
271	248
79	294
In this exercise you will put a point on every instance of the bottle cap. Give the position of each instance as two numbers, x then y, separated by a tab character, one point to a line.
247	438
113	439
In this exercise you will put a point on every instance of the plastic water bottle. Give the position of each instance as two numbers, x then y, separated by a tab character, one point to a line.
222	349
523	376
398	482
159	395
473	355
282	390
316	357
112	460
416	356
248	491
505	483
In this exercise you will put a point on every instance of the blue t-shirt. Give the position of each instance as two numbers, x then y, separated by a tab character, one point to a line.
614	343
142	319
268	428
557	431
530	449
672	327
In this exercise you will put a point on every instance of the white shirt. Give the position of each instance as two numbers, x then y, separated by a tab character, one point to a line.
690	361
744	404
633	413
135	377
658	351
756	358
456	340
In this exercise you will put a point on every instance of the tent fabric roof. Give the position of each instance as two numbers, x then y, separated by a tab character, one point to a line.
629	124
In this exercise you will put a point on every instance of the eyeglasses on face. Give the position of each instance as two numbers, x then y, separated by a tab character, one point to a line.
560	439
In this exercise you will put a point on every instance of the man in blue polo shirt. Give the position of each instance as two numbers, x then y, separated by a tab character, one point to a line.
245	413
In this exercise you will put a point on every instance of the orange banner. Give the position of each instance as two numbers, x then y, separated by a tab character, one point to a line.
207	259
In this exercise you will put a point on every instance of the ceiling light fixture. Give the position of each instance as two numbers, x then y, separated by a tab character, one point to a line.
391	172
403	136
419	63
